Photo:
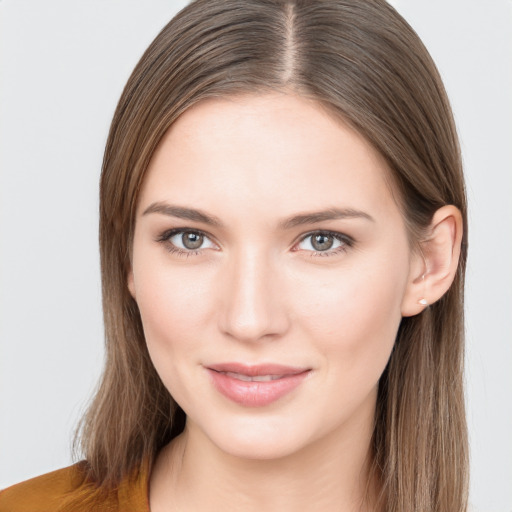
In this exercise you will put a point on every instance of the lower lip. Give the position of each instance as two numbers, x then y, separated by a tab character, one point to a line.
255	394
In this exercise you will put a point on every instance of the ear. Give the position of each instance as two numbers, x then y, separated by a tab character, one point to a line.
433	270
130	282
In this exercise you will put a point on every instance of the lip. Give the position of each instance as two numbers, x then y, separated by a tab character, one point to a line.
255	385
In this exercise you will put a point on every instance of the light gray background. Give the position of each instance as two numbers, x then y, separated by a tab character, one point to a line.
63	66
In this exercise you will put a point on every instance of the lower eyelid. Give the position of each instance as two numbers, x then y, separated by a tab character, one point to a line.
180	252
332	252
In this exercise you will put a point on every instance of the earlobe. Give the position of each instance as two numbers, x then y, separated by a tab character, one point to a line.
440	253
130	282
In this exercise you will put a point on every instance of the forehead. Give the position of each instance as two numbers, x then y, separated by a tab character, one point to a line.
268	154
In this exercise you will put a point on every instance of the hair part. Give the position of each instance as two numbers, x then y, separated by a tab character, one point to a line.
362	63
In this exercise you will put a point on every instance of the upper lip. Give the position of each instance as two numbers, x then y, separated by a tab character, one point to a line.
254	370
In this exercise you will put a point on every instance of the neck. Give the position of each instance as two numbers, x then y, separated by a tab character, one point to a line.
331	474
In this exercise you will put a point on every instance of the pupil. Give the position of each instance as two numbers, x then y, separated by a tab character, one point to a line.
192	240
322	242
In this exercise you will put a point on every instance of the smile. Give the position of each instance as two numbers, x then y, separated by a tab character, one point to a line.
255	386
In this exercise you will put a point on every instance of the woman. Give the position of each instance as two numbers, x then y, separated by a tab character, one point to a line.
283	240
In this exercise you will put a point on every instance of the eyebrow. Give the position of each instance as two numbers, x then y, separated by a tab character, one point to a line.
183	212
329	214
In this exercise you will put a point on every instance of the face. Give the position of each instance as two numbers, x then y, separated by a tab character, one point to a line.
270	267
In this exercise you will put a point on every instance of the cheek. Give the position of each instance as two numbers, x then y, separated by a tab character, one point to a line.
174	307
170	316
354	319
169	298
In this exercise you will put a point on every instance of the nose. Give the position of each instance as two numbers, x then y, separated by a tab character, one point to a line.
253	302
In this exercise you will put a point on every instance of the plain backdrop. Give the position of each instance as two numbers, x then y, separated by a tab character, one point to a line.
63	66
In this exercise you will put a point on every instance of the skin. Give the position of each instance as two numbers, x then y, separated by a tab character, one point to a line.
256	292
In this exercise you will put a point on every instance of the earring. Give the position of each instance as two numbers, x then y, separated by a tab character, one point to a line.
423	302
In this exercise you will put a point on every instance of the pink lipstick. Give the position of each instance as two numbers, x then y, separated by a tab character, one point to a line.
255	385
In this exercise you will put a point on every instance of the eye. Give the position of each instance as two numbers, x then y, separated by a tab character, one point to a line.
186	241
325	243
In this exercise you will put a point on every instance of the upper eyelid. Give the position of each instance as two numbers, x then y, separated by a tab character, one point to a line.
336	234
324	232
175	231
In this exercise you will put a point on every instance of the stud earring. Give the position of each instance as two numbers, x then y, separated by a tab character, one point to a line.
423	302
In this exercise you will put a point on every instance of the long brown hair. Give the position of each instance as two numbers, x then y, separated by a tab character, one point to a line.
363	63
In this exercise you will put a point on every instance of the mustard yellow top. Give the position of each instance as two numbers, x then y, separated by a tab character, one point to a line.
53	491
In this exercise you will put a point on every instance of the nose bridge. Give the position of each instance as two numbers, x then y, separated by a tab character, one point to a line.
252	305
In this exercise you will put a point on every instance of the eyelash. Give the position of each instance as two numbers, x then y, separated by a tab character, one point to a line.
346	243
345	240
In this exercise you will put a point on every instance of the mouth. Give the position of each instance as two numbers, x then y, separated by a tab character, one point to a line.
255	378
255	385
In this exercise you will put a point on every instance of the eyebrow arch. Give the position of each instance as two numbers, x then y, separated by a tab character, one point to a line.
183	212
329	214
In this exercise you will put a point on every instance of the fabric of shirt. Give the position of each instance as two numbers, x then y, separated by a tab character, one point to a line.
50	493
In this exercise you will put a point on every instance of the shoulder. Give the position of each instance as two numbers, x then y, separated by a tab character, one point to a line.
66	490
42	492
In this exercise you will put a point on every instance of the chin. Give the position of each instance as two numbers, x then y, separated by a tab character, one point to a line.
259	438
258	448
